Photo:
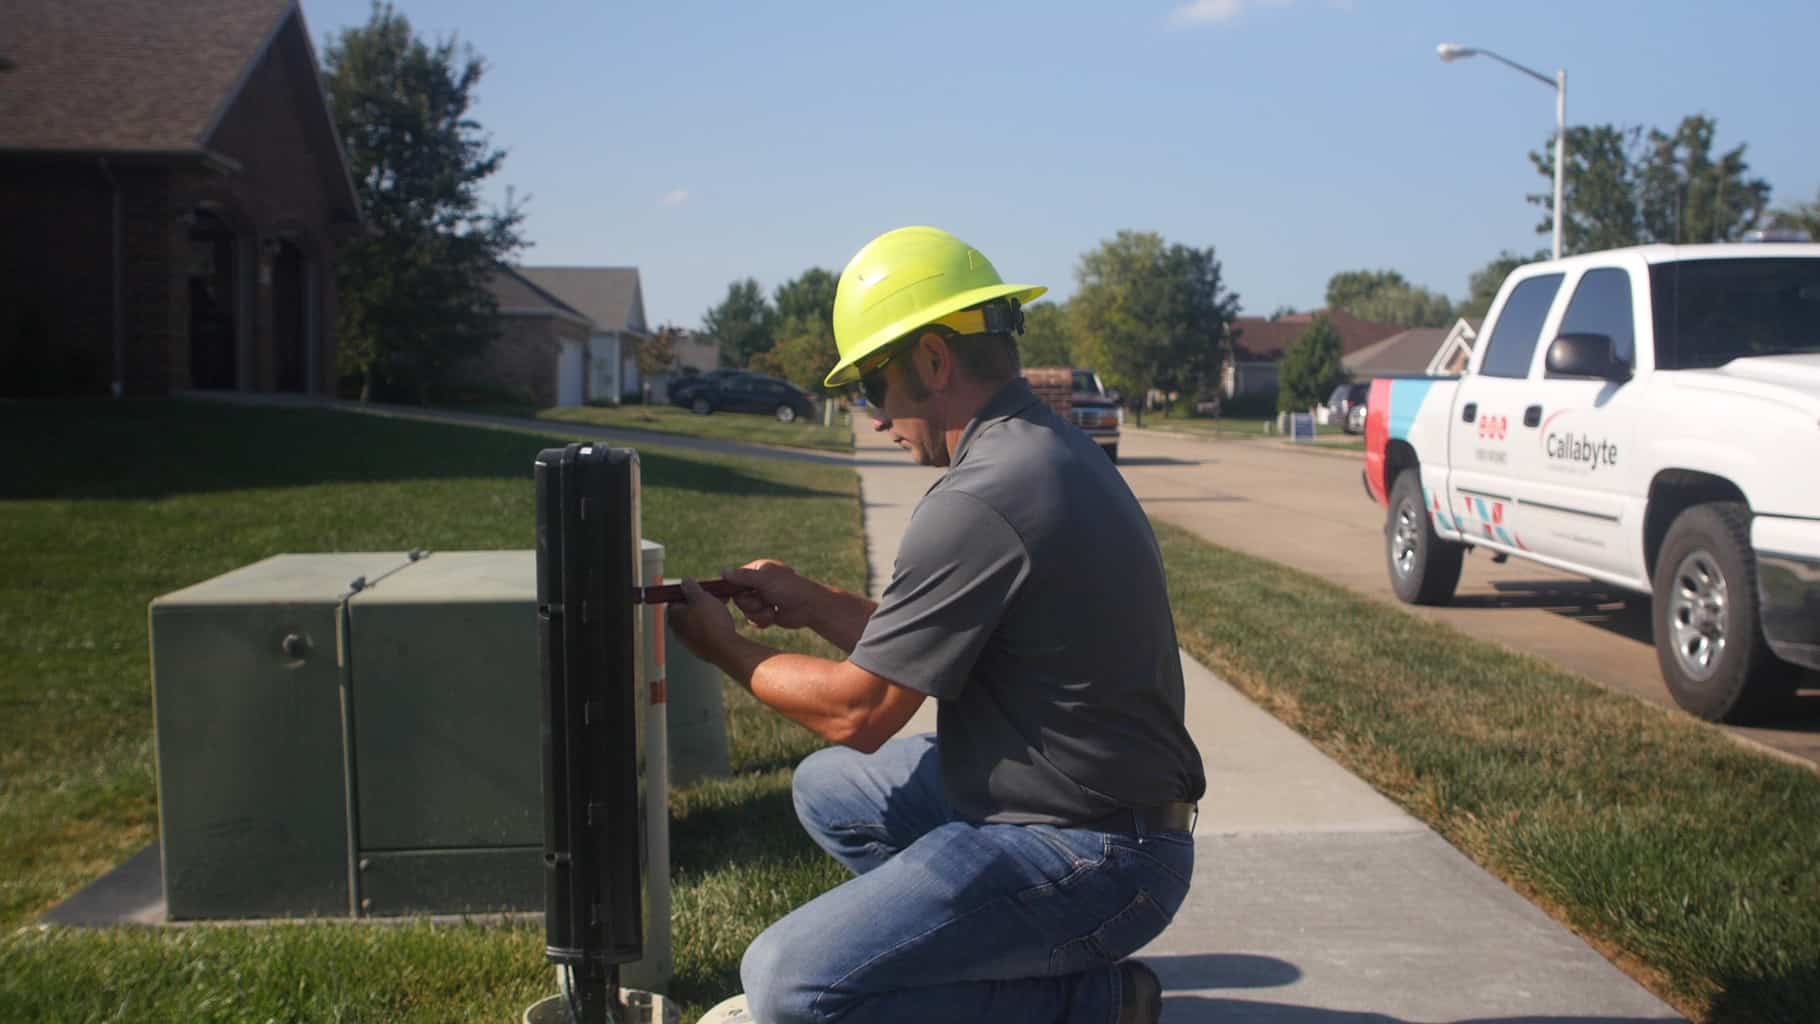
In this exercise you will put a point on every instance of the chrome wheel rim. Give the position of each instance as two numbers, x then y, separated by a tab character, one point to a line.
1697	606
785	414
1407	538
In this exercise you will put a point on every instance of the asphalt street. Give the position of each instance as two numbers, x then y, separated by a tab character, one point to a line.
1309	510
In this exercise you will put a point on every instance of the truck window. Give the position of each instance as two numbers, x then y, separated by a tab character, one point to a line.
1602	305
1513	340
1710	312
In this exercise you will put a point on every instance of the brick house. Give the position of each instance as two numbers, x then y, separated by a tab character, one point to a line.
174	192
541	353
1259	344
614	299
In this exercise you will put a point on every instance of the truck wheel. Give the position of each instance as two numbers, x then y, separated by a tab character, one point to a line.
1112	451
1709	640
1424	569
700	407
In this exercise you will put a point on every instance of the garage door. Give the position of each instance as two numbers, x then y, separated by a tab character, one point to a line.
568	374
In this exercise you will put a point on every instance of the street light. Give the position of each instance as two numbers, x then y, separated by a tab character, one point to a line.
1451	52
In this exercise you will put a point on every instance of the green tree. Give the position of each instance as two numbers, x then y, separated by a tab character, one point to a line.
1349	287
804	353
1801	216
808	297
1625	186
657	354
1383	296
1311	368
1148	314
743	323
1046	340
1482	286
413	302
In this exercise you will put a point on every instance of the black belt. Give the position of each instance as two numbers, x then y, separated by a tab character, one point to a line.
1174	816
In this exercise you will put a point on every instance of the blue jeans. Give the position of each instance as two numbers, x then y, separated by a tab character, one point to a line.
949	921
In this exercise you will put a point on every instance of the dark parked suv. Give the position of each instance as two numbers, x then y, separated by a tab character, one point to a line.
746	392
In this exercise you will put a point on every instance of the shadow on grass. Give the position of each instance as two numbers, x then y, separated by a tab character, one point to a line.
141	449
1158	460
747	831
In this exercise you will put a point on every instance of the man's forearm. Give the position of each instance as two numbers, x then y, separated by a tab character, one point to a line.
842	617
801	687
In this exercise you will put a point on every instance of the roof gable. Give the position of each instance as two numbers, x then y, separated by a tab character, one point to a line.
126	77
517	294
612	297
1262	340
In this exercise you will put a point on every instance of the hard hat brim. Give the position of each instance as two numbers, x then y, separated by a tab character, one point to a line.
844	372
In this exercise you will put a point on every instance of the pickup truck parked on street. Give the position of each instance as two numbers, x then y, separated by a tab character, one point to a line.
1646	417
1079	397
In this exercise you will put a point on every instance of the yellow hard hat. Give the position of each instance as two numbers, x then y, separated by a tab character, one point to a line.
905	279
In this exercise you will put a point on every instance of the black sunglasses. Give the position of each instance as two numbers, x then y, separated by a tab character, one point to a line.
872	382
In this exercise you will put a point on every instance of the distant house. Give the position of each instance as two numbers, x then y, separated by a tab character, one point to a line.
1258	347
541	354
694	353
174	191
613	300
1406	352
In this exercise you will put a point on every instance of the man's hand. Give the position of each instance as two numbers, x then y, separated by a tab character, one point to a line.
701	621
779	597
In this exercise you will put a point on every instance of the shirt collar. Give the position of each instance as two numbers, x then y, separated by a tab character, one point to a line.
1009	401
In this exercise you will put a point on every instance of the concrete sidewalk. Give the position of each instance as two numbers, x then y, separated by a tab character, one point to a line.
1316	900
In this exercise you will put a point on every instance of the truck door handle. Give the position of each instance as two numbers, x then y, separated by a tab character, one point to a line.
1470	413
1532	416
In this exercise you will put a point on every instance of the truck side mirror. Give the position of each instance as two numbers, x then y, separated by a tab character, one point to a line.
1586	355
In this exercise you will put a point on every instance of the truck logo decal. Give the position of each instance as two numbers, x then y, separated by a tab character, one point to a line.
1581	450
1574	450
1490	517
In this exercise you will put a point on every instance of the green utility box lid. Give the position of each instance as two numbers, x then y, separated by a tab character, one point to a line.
247	680
446	700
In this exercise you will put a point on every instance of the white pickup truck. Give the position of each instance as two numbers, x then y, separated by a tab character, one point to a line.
1646	417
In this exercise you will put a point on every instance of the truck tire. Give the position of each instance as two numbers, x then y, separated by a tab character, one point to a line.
1112	451
1709	638
1424	569
701	406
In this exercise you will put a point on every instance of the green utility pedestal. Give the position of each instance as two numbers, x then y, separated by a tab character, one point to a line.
359	734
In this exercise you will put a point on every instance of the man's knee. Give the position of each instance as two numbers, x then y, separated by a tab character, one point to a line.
819	779
776	993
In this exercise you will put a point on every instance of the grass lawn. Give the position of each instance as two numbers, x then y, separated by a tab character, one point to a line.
107	505
668	419
1224	428
1686	858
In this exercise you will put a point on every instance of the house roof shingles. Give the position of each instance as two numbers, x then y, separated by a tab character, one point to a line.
514	292
116	77
1408	352
1262	340
609	296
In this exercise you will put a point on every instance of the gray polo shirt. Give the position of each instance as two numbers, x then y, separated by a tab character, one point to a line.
1028	598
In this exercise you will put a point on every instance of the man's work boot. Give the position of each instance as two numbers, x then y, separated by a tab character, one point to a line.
1140	993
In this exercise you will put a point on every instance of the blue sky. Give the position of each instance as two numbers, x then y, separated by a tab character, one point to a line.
707	141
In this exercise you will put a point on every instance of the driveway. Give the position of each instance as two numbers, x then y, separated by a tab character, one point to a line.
1309	510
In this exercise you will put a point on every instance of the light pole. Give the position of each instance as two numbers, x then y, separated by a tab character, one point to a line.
1451	52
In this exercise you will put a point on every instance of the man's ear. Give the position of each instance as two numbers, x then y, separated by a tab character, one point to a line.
940	360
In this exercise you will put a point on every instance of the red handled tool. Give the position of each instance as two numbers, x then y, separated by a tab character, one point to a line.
671	593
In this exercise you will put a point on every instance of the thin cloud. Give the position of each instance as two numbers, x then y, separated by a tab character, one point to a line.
1217	12
674	197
